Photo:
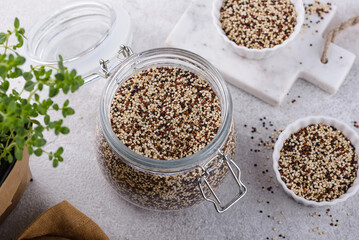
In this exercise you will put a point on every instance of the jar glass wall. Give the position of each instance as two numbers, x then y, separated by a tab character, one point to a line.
161	184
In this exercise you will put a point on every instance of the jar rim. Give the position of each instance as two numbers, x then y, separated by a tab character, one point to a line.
155	165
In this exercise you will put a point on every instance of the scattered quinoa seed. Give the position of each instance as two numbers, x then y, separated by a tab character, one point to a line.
317	8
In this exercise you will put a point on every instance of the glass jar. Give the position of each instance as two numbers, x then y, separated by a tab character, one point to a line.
86	31
175	184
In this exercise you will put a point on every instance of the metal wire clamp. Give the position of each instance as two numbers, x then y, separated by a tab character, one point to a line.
106	68
202	181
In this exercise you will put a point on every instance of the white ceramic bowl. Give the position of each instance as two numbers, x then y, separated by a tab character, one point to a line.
304	122
257	53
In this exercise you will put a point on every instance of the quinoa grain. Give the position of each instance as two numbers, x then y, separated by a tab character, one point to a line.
318	163
165	113
259	23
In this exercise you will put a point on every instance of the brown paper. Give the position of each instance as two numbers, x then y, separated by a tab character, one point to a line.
63	222
14	186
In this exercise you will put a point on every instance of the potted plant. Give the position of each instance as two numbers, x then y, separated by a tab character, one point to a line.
25	114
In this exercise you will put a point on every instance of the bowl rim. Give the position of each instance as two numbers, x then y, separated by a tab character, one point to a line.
347	131
299	7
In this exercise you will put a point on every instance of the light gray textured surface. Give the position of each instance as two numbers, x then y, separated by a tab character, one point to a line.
79	180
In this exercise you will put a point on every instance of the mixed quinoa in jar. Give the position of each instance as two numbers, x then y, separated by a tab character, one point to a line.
166	137
165	113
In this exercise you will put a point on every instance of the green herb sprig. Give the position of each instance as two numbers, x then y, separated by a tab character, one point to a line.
23	119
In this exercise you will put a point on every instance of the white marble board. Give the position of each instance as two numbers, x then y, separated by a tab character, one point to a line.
269	79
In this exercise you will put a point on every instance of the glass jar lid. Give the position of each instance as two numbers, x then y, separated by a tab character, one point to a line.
82	33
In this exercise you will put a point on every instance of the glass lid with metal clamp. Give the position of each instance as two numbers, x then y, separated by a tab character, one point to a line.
165	136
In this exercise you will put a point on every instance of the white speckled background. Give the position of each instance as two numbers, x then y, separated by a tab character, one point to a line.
79	180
